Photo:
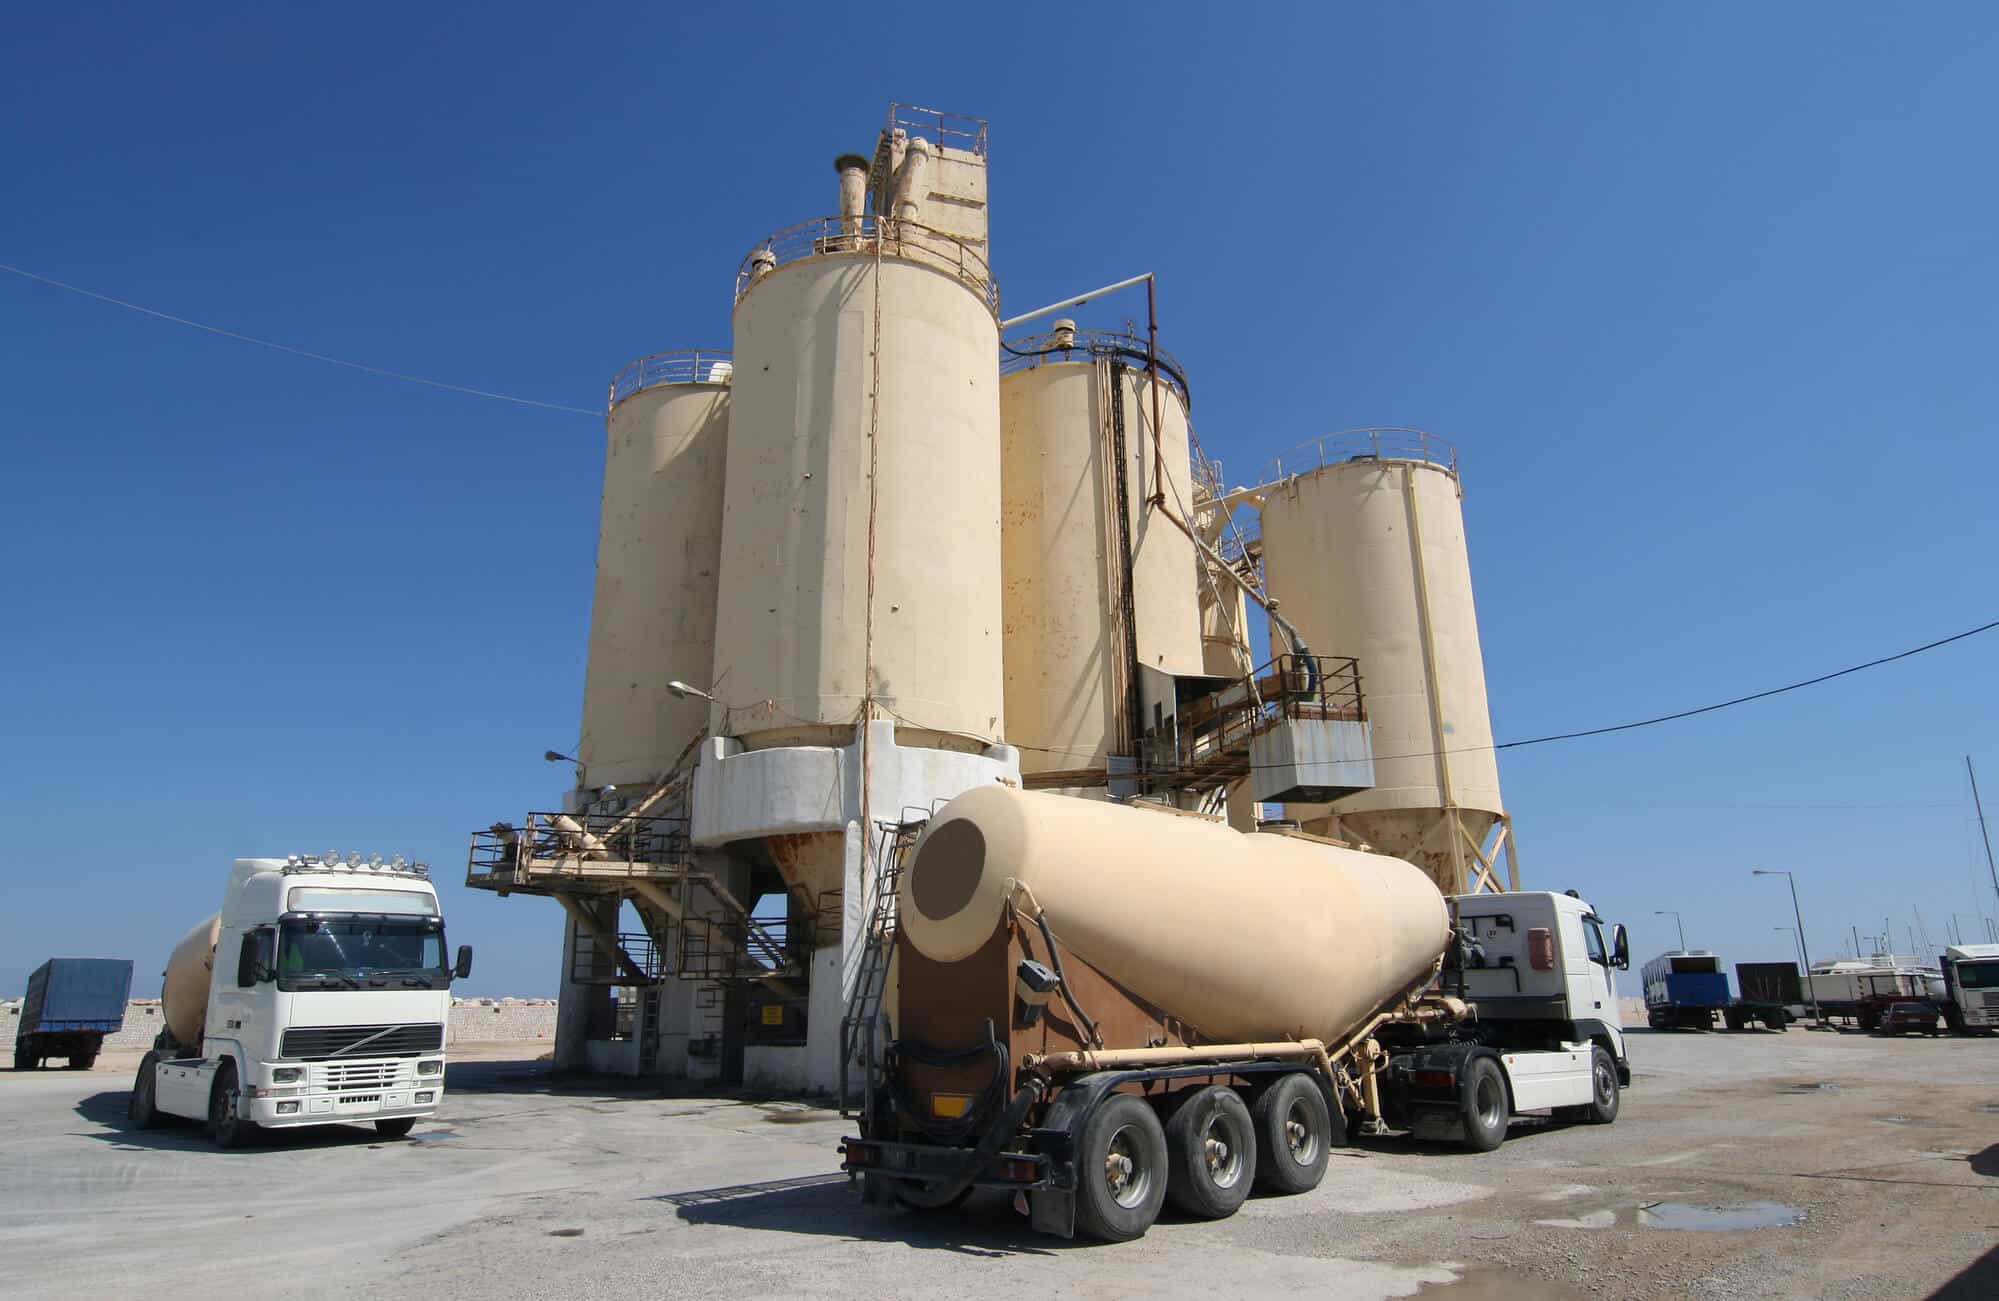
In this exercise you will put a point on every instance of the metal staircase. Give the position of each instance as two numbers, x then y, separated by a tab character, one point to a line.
861	1027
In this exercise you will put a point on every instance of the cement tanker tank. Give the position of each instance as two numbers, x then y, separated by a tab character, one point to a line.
184	991
1265	936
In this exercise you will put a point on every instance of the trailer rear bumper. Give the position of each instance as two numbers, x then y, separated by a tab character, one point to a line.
927	1164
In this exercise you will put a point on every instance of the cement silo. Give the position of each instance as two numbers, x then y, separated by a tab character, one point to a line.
1364	546
652	619
1099	581
862	532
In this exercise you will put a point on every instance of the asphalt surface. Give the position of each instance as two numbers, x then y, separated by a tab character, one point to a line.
1872	1163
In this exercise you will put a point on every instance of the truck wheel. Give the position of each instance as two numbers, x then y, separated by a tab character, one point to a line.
1120	1170
83	1061
24	1060
141	1109
1211	1147
395	1128
1605	1097
225	1125
1482	1104
1294	1135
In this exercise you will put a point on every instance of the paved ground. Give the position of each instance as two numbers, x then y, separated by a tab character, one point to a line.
1886	1148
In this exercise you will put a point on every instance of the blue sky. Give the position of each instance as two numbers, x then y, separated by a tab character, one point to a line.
1704	293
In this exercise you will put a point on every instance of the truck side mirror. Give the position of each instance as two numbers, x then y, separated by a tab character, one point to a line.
464	964
1620	948
253	960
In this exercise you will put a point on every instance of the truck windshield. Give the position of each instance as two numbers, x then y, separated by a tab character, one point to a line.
1978	975
361	952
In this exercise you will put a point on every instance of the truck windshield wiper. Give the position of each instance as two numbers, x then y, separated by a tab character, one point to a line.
337	977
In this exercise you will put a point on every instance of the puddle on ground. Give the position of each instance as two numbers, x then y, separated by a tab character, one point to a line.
1811	1086
1496	1285
1713	1218
565	1233
796	1116
434	1136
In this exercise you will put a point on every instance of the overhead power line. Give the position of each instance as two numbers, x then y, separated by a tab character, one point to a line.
286	347
1643	722
1743	700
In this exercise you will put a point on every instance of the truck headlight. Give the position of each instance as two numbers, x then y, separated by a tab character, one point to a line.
430	1068
426	1096
287	1074
287	1108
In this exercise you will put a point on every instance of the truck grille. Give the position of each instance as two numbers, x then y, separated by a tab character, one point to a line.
360	1075
313	1042
1992	1000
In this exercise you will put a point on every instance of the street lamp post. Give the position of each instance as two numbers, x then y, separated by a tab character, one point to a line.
1668	912
1793	932
1804	948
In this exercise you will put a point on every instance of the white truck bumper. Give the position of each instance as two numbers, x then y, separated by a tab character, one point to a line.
336	1093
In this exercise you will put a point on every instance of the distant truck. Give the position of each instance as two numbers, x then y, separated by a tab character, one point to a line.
72	1004
1970	999
318	995
1101	1008
1768	992
1684	989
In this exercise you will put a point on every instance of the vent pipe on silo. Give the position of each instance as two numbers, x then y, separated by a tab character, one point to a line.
909	181
1064	334
853	169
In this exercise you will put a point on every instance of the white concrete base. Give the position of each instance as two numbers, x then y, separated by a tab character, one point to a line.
743	794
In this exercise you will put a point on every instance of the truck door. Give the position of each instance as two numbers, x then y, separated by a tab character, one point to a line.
1600	999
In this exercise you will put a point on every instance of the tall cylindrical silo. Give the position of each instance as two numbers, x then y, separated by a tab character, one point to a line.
1064	412
1366	552
658	558
862	524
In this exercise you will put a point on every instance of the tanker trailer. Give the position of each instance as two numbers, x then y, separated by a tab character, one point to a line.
1102	1007
329	1004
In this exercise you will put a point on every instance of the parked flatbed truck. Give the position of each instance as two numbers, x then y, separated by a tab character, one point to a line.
1101	1008
71	1005
1768	992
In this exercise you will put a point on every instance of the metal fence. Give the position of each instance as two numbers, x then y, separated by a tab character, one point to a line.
905	240
683	366
1388	443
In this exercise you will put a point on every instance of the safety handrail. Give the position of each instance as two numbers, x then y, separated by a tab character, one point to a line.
1387	443
1081	345
904	240
681	366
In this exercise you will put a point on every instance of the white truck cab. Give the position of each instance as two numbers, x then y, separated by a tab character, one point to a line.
328	991
1535	968
1971	987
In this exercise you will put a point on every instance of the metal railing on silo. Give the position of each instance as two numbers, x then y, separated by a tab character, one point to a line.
1387	443
683	366
867	233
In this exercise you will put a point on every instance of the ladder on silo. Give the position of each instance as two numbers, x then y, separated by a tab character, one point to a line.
860	1028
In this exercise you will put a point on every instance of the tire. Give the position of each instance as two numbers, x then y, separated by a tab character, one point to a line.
83	1061
1121	1170
1294	1135
142	1109
1482	1104
915	1199
24	1058
1606	1096
226	1127
1211	1153
395	1128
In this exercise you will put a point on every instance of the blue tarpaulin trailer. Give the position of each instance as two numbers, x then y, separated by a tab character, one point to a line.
72	1004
